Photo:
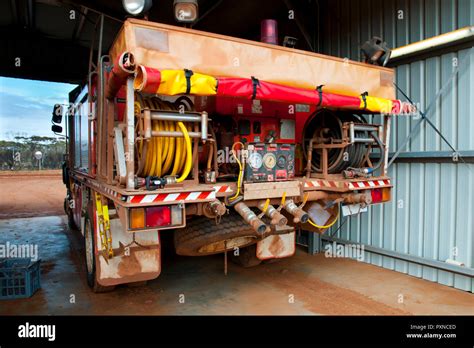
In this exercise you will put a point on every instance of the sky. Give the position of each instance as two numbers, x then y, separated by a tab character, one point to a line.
26	106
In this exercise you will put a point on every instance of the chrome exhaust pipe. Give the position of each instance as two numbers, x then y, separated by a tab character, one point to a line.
299	214
277	219
251	218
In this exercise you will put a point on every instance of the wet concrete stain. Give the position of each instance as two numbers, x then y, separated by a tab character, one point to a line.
198	285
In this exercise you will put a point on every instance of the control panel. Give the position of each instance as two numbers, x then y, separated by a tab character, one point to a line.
270	162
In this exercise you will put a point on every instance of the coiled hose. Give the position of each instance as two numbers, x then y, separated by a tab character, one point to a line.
328	124
164	156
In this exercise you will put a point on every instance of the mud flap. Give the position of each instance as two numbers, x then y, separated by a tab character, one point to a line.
276	246
133	261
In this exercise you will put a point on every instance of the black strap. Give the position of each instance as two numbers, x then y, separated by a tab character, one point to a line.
320	91
255	83
188	74
364	99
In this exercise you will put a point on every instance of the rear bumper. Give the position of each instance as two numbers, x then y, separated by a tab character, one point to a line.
202	193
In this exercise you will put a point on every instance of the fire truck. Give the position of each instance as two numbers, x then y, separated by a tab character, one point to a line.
226	144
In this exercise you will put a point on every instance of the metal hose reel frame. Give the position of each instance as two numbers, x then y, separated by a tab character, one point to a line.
316	126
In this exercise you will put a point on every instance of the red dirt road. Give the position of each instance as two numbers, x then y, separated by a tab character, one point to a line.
31	194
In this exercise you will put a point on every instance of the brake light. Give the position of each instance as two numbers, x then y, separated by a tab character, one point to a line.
163	217
380	195
137	218
158	216
376	195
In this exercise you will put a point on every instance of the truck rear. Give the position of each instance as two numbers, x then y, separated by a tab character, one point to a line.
228	144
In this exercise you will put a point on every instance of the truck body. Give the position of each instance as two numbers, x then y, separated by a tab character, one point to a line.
229	144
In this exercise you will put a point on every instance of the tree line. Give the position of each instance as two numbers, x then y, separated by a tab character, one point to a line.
19	154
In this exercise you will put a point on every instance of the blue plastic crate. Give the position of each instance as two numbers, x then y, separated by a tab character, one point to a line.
19	278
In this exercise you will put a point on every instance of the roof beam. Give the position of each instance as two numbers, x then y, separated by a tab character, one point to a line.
31	14
301	27
80	24
14	7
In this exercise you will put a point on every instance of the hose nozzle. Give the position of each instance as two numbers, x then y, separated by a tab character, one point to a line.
277	219
251	218
299	214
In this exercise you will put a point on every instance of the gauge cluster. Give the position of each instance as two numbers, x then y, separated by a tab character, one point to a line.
270	162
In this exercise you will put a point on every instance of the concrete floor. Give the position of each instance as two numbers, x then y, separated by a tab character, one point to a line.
317	284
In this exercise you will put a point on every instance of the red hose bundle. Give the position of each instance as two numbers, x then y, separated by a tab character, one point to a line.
147	80
238	87
123	67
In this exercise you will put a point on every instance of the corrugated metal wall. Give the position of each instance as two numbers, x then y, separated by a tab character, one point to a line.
431	214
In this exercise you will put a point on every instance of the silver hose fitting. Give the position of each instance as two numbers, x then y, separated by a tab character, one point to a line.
277	219
299	214
251	218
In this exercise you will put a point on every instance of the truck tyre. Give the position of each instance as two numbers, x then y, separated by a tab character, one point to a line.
247	257
202	236
70	219
90	257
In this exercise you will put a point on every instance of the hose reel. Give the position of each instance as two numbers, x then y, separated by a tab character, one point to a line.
166	158
337	142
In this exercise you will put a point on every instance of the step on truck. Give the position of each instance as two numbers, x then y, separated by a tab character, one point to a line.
227	144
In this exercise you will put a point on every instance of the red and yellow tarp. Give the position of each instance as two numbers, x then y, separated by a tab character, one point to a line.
175	82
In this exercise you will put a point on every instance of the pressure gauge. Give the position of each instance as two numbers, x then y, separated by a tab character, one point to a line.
269	160
281	161
255	160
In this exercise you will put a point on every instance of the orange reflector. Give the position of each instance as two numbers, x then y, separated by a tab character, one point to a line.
386	194
137	218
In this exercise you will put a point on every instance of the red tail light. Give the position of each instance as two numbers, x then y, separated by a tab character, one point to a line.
380	195
376	195
158	216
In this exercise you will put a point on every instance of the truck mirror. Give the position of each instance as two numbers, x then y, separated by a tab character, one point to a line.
56	129
57	113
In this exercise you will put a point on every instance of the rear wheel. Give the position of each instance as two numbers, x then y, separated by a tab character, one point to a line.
90	257
70	219
202	236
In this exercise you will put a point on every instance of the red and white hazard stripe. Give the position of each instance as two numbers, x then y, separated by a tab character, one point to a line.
368	184
347	185
222	189
324	183
172	197
179	197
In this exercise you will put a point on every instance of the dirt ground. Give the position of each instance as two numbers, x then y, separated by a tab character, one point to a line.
31	193
303	284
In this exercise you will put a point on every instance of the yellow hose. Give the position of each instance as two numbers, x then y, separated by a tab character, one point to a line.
171	152
189	155
326	226
265	206
177	161
166	143
166	155
241	171
184	153
156	159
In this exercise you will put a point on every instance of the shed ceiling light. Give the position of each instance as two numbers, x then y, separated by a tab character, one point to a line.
137	7
185	11
446	39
